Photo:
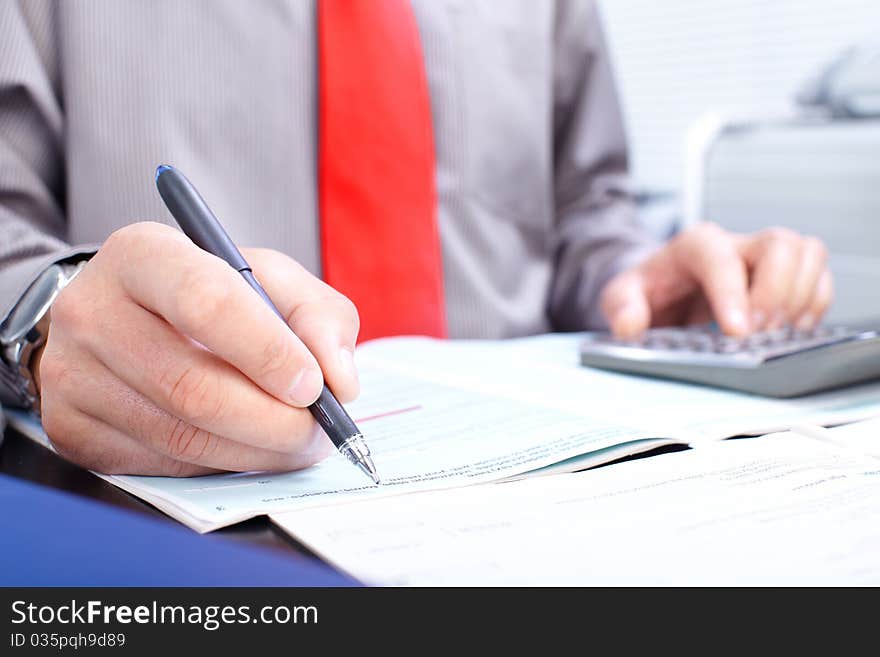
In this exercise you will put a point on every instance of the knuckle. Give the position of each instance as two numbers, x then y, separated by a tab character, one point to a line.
194	395
68	311
817	246
346	306
339	309
52	369
709	230
767	292
212	296
794	304
270	258
348	312
118	240
142	242
133	235
187	443
779	234
693	240
277	356
57	374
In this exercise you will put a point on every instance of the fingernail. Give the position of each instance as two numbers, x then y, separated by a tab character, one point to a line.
806	322
736	319
346	361
306	386
758	319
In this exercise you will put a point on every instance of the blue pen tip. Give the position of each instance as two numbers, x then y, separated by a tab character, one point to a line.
160	169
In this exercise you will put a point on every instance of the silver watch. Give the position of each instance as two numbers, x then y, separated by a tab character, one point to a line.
25	329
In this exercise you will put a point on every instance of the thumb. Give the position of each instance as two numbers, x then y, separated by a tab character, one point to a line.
625	306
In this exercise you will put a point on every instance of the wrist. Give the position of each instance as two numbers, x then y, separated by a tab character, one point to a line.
23	334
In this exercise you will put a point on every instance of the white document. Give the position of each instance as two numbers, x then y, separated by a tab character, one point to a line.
422	435
858	437
545	370
776	510
444	414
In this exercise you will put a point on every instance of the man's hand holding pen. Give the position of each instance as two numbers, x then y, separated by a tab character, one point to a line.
161	360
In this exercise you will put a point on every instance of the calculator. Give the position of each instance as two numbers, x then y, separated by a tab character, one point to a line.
780	363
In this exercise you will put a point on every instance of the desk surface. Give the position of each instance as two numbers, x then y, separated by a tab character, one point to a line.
21	457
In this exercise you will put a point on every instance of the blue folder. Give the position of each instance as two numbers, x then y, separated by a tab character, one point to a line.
51	538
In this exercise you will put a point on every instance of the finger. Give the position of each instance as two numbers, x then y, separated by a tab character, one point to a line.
188	381
325	320
774	256
207	300
813	258
711	257
625	306
94	445
128	412
823	295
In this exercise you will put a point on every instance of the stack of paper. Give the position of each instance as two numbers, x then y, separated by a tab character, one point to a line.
784	509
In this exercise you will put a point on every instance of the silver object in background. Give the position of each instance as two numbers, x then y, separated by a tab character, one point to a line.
782	363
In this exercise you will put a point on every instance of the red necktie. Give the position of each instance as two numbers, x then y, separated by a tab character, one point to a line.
377	195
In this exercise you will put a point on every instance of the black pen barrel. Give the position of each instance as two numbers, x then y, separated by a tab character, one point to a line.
195	217
332	418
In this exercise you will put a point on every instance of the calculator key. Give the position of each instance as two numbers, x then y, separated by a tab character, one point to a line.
702	342
756	341
777	336
728	345
659	341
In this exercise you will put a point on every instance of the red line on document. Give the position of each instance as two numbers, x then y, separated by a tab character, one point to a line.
389	413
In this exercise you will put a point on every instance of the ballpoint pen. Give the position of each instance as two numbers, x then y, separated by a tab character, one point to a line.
199	224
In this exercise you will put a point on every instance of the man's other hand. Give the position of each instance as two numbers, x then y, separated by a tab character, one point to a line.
745	283
161	360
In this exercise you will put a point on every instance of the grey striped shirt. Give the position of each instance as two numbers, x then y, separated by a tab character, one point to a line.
534	210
